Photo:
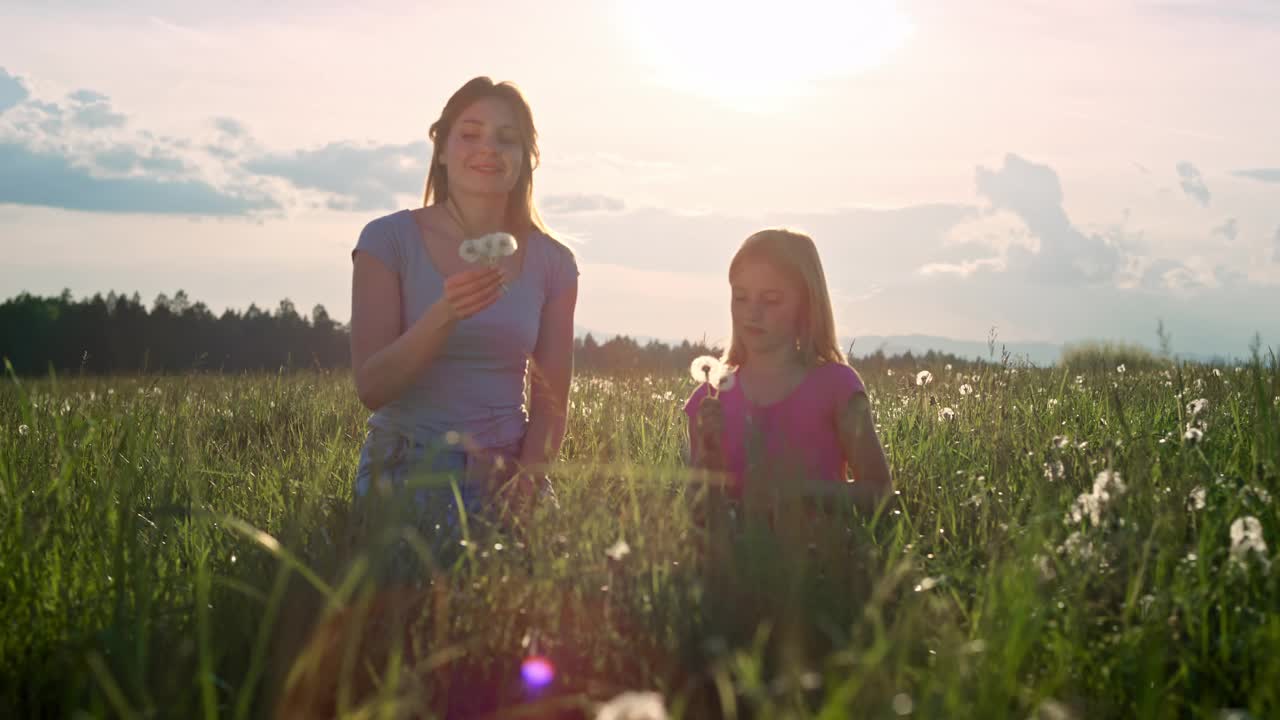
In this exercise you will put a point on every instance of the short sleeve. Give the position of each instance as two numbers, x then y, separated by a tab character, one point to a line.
379	240
562	274
844	383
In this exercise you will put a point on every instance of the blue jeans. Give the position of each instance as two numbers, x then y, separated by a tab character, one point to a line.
411	480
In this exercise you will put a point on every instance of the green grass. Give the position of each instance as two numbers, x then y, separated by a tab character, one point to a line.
179	547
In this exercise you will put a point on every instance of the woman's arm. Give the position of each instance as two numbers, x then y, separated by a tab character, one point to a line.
552	371
384	361
862	450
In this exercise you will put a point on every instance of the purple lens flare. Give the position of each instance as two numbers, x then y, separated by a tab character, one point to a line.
537	671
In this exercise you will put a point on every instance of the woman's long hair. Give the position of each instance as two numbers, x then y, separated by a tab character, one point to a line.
794	255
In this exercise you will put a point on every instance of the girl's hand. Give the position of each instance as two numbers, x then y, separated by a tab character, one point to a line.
470	291
710	431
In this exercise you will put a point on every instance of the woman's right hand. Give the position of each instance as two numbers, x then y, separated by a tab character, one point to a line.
470	291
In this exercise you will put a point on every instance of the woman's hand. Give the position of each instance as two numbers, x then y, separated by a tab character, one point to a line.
470	291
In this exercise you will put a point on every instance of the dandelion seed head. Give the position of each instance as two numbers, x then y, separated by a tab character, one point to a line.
618	550
1196	498
1193	434
924	377
1195	407
706	368
946	413
23	430
470	251
1120	368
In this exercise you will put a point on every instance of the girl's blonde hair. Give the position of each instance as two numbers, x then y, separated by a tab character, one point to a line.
522	215
794	255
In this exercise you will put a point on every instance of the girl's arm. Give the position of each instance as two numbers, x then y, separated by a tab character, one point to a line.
552	373
384	361
862	450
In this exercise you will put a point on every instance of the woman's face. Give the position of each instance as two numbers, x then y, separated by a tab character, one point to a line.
484	152
766	307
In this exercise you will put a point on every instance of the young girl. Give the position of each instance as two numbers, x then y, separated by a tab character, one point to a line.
789	411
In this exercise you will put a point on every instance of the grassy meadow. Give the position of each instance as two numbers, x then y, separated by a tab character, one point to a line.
1061	545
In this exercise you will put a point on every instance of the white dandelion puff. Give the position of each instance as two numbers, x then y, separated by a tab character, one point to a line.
706	368
924	377
618	550
1262	495
470	251
1217	372
928	584
946	413
966	389
726	380
1061	441
1076	546
1106	486
889	372
633	706
1120	368
1054	470
1193	434
23	430
1195	407
1196	499
947	367
1246	537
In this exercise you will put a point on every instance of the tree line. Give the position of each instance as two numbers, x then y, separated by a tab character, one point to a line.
119	334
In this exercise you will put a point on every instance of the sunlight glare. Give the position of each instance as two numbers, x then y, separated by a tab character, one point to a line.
751	53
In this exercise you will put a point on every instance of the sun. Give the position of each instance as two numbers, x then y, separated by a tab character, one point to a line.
752	54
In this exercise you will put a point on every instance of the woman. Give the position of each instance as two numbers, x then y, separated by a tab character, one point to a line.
440	347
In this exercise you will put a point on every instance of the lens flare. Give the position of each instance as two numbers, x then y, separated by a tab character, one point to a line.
537	671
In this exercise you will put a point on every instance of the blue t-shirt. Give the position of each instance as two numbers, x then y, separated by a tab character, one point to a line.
475	385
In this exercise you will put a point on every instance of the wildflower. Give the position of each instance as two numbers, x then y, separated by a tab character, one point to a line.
1145	603
948	367
1090	505
1195	407
1061	441
1053	402
1079	379
23	430
1047	572
1054	470
1195	500
1262	495
633	706
928	584
1217	372
1246	536
1193	434
618	550
889	372
966	389
1120	368
1076	546
924	377
946	413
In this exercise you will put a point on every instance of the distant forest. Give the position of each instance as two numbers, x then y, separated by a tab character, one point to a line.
118	334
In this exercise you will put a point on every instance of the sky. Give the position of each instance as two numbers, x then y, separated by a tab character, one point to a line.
1056	170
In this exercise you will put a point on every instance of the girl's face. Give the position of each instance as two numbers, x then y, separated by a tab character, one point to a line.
484	152
766	307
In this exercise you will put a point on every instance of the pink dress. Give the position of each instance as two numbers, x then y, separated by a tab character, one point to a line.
798	432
